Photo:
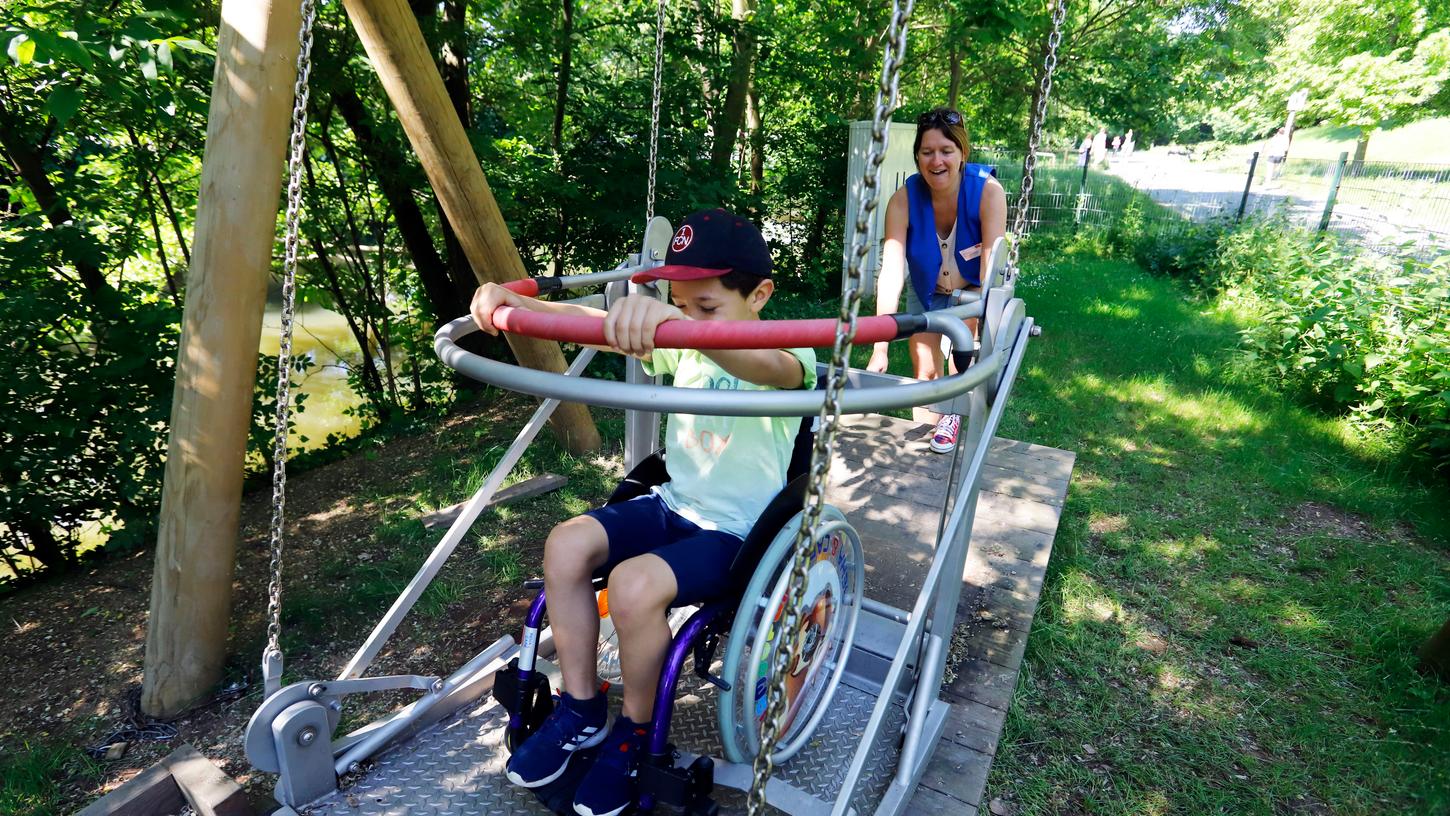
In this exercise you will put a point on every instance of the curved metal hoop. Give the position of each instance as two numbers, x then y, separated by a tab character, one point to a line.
704	401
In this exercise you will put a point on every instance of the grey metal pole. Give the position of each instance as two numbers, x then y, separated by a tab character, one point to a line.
1333	191
1087	161
1248	182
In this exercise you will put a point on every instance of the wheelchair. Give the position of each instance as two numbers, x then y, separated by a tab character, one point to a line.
743	617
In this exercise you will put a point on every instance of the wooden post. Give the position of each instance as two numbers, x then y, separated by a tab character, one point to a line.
395	44
236	223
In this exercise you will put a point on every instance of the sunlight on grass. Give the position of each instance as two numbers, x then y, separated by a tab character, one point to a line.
1236	586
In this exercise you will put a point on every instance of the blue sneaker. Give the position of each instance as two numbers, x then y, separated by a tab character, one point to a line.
574	725
609	786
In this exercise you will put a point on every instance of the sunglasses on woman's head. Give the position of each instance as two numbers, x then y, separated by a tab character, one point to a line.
939	118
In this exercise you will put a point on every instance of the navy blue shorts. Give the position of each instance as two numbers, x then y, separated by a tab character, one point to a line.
700	559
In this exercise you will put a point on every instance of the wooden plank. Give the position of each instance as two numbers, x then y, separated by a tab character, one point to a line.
1009	574
151	792
983	682
1022	485
957	771
208	790
1028	515
975	726
999	645
1011	608
993	538
526	489
927	802
182	778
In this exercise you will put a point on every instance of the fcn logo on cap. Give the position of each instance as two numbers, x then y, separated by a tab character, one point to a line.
682	239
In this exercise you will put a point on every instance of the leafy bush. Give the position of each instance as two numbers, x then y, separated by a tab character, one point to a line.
1349	332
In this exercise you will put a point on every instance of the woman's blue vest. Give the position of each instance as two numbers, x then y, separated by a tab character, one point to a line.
923	248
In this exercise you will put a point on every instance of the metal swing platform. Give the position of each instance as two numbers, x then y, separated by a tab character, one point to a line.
891	488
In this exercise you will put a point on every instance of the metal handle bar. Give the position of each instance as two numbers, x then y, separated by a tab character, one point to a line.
705	401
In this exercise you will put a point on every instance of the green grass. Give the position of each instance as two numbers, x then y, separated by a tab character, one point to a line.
33	781
1205	643
1427	140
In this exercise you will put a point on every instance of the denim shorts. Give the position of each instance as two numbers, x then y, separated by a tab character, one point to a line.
700	559
939	300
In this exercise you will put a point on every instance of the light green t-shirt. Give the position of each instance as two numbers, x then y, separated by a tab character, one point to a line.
724	470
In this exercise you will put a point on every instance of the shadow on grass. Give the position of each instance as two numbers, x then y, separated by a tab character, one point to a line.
1238	585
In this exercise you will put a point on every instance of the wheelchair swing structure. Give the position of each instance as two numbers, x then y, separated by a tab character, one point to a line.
857	660
797	669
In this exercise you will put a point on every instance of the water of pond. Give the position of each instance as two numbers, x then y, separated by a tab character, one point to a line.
322	335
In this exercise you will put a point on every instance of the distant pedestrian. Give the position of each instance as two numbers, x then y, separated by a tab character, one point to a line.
1100	146
1084	148
1128	144
1118	143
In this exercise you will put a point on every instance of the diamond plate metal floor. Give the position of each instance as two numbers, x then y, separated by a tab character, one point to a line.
457	768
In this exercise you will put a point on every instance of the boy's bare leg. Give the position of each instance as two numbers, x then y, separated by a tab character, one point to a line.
926	364
575	549
641	590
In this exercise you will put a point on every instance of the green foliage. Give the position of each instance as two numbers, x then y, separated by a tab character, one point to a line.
1351	332
31	778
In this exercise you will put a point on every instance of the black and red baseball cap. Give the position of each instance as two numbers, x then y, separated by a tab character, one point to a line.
709	244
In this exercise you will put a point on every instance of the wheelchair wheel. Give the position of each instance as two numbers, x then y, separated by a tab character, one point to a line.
609	669
827	627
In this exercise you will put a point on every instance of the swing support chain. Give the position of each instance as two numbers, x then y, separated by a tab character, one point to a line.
783	655
1029	161
272	654
654	114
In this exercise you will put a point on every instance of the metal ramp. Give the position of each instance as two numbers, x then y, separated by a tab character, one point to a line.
891	488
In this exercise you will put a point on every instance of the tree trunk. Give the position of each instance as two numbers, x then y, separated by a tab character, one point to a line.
561	99
390	33
453	58
756	130
432	271
742	64
1435	653
44	546
27	164
955	89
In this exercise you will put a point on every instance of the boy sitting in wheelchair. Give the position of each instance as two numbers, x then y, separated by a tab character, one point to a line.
674	545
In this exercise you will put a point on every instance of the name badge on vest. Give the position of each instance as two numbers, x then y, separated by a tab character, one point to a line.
971	252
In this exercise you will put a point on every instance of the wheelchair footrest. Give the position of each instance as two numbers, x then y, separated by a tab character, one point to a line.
688	788
527	702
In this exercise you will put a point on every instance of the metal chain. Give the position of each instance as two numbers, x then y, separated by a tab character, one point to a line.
654	112
296	145
781	654
1029	162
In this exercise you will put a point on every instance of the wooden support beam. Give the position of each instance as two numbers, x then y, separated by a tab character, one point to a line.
390	34
236	222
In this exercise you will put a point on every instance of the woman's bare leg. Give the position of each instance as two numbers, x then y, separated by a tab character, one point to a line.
926	364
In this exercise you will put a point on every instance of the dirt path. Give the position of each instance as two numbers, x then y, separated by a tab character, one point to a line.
1200	190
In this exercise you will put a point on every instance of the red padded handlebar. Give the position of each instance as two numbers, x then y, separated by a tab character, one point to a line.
701	334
